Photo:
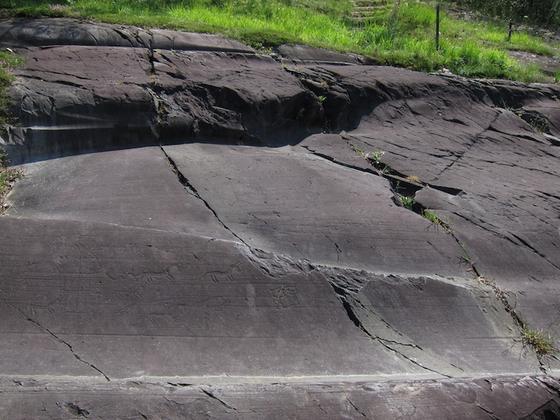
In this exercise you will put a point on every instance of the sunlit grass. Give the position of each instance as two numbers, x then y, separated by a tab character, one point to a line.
472	49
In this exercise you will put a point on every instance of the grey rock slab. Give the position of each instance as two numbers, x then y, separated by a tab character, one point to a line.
77	99
491	398
318	55
131	187
22	32
451	326
293	202
493	170
133	302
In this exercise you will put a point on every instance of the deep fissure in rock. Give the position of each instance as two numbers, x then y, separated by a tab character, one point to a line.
345	298
193	191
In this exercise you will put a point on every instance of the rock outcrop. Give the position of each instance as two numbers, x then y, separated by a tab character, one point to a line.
215	228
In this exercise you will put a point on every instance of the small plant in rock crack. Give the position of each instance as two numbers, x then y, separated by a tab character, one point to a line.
539	340
322	99
406	201
359	151
8	177
375	157
534	119
435	219
413	178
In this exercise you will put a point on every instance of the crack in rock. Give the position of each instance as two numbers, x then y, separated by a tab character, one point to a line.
193	191
60	340
535	250
343	297
56	337
76	410
213	396
360	412
488	412
502	296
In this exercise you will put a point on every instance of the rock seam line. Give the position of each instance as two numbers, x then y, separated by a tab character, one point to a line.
56	337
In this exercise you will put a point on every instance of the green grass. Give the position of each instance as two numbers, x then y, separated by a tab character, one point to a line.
435	219
8	60
468	48
539	340
406	201
8	176
375	157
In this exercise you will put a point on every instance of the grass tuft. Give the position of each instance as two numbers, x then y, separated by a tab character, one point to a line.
435	219
8	176
541	342
375	157
8	60
407	202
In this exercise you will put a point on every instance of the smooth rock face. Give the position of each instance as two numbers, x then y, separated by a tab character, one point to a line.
205	231
352	221
50	32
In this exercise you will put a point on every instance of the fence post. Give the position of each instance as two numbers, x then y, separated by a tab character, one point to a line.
438	15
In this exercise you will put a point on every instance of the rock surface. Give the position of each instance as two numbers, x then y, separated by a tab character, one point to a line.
204	230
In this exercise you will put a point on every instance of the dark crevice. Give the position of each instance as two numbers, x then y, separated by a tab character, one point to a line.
549	195
190	189
76	410
400	183
60	340
532	248
123	36
555	390
338	162
550	410
343	297
180	384
151	55
488	412
502	296
535	119
360	412
56	337
214	397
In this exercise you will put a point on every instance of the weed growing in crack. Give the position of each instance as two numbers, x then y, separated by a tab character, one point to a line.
466	259
434	218
534	119
540	341
407	201
8	177
414	178
375	157
322	99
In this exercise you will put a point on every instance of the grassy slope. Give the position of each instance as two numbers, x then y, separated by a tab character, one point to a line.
7	175
469	49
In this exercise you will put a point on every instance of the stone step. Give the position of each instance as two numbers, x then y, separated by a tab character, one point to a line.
358	3
366	9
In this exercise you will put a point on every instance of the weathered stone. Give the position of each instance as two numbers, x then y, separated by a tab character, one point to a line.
196	213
